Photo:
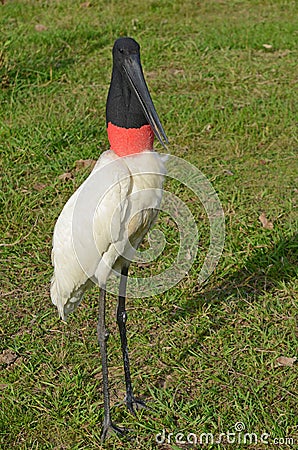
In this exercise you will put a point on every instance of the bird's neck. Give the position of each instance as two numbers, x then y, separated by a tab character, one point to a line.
128	129
128	141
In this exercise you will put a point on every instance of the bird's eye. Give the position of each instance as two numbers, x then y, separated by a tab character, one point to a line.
121	50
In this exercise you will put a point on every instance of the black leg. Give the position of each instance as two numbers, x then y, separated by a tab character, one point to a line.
131	402
103	336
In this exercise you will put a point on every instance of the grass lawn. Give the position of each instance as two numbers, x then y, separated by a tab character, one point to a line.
223	76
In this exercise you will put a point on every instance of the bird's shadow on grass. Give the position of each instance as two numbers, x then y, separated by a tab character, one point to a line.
262	272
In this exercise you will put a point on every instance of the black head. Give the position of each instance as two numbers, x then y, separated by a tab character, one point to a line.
123	48
129	104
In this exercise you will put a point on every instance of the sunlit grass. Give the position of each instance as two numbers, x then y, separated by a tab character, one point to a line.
223	76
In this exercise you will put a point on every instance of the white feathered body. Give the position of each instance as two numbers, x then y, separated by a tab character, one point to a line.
103	223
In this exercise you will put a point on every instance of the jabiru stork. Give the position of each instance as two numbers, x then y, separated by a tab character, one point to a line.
126	185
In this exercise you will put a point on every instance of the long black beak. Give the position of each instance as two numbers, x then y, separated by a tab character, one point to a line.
133	69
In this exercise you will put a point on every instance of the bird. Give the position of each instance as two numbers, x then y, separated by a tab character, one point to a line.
105	220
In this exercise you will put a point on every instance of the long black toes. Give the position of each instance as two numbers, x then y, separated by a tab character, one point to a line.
134	405
110	429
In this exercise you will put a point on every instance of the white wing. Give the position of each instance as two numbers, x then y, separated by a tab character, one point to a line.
102	223
83	237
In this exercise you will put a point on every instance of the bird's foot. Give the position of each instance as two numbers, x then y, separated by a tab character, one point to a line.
133	404
110	429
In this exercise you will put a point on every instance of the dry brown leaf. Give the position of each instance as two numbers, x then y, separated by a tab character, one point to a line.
40	27
228	172
85	5
66	176
84	163
39	186
285	361
79	165
8	357
284	53
265	222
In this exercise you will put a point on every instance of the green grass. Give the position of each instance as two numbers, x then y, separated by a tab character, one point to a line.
203	357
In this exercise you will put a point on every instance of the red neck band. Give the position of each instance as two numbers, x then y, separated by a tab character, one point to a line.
127	141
